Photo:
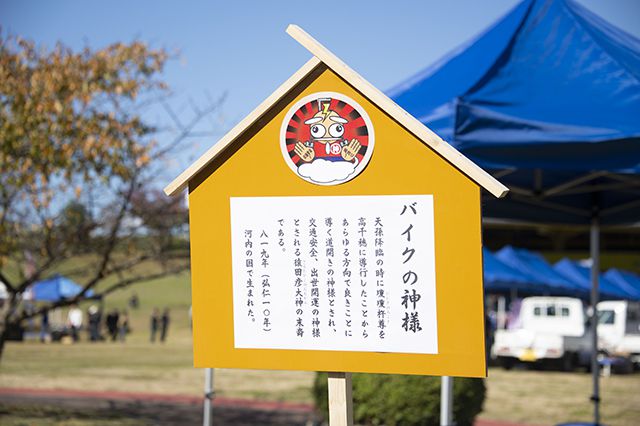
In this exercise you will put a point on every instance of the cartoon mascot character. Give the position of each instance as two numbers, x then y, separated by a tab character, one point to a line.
326	142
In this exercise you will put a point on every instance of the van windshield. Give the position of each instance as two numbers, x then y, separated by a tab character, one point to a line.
606	317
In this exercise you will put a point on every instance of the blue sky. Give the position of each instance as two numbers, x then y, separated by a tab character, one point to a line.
241	47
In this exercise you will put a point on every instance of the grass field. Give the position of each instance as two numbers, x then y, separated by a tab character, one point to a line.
531	397
545	397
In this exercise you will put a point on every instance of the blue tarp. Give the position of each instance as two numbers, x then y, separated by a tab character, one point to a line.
501	278
581	274
625	280
56	288
529	273
535	266
543	98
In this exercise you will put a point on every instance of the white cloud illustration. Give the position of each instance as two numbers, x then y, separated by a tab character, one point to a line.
324	171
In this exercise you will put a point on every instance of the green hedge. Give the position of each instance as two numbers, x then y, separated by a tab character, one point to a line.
382	399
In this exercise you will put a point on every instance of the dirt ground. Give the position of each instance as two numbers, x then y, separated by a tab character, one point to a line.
24	409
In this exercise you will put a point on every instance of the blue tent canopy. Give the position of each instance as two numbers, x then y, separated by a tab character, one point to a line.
529	273
625	280
548	99
548	73
56	288
535	266
500	277
581	274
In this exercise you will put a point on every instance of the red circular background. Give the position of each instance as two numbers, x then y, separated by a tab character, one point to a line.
297	131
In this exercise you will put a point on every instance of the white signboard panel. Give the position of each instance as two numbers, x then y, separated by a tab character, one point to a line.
349	273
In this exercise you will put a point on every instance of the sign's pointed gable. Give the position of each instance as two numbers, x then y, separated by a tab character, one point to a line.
323	57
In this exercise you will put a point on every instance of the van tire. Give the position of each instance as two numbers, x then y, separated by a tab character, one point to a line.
567	362
507	363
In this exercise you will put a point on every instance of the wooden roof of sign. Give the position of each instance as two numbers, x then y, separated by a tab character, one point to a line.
322	55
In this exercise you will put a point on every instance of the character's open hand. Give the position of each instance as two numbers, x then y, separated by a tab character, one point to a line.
305	152
350	150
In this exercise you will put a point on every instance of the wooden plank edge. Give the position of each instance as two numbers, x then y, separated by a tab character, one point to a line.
466	166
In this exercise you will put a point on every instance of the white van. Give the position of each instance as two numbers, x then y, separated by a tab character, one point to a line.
550	329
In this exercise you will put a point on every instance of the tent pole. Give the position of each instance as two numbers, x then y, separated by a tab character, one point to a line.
209	393
595	271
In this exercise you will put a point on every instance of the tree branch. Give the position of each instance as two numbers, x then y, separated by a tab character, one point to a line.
142	278
112	240
7	282
185	130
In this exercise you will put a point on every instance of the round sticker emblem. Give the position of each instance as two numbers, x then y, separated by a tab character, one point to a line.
327	138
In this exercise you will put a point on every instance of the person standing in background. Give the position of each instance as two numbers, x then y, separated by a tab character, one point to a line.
134	301
74	318
94	323
123	325
112	324
155	323
44	326
165	324
28	309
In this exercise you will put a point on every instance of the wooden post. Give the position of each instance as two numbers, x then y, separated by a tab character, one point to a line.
340	399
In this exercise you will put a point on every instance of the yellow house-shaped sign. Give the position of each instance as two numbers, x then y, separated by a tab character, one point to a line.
332	231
